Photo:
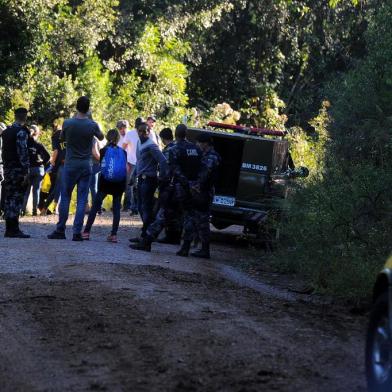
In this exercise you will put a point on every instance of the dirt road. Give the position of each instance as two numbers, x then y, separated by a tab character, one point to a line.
95	316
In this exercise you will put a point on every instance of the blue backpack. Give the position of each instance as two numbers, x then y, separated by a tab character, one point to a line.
114	164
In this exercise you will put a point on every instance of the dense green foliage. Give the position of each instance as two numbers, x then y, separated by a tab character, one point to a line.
318	68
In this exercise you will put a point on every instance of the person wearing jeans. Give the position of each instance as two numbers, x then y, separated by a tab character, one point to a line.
78	133
72	176
150	160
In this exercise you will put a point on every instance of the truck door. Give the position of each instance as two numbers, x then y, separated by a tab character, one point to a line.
255	170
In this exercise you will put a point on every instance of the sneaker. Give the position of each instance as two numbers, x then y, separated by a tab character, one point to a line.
77	237
56	235
86	236
135	239
112	238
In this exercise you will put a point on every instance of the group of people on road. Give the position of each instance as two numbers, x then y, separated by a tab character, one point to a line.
130	163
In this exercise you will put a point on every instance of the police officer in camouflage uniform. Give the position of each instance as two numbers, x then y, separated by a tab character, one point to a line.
16	163
197	218
169	211
184	165
184	162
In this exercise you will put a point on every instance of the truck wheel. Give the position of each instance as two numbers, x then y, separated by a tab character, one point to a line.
379	348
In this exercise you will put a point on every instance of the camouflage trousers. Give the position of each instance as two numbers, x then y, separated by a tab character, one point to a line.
197	222
14	188
168	218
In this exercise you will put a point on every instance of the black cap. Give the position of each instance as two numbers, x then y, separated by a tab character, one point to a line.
204	137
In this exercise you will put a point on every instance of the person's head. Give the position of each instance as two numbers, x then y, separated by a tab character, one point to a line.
83	105
139	121
166	136
2	127
151	120
143	131
204	141
181	131
21	115
122	126
58	124
113	136
34	131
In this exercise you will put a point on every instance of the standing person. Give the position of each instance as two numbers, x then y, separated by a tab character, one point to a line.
95	170
78	133
151	121
112	181
130	142
149	158
39	157
57	160
16	171
197	218
185	163
2	128
184	167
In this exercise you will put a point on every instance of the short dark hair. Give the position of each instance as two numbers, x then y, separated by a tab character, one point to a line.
21	114
166	134
181	131
83	104
139	121
143	127
112	136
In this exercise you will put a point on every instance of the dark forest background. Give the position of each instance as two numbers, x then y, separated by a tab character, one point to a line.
321	69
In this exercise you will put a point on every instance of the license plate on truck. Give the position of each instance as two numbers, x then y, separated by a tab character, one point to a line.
224	201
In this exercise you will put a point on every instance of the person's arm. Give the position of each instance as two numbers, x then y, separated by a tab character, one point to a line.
160	158
98	133
22	149
44	153
53	157
95	151
208	166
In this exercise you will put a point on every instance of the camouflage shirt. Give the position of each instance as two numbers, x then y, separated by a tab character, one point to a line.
210	162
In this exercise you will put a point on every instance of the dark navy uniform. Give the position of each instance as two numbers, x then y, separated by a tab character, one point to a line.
197	218
165	192
16	164
184	163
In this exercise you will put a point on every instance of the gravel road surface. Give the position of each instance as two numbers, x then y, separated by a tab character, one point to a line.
96	316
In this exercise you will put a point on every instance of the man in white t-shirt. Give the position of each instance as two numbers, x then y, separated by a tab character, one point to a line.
129	144
122	127
151	120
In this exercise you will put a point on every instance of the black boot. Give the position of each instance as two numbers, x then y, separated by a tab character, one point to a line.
144	244
184	250
171	237
204	252
14	231
8	226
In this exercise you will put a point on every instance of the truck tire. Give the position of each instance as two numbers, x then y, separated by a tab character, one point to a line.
379	348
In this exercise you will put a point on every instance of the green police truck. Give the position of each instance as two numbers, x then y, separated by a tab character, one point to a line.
253	176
